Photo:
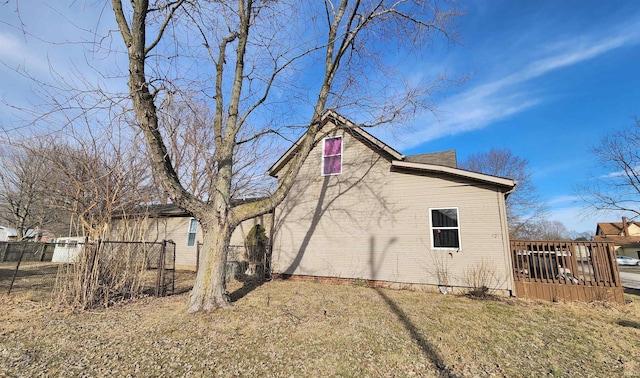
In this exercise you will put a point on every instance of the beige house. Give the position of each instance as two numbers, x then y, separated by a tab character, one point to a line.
168	222
361	210
624	235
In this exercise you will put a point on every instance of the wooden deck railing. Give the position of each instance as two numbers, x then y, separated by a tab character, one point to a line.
566	270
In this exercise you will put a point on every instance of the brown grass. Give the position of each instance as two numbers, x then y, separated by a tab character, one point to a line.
302	329
36	281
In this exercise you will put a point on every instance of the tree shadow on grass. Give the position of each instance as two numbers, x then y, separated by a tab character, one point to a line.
631	290
249	284
427	348
629	323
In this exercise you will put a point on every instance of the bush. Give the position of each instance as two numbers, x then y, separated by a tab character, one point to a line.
256	245
480	279
103	275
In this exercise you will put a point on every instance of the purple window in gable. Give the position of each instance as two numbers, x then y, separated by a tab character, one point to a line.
332	156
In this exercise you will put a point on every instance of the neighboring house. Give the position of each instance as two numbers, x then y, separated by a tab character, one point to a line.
8	234
361	210
39	235
624	235
155	223
46	236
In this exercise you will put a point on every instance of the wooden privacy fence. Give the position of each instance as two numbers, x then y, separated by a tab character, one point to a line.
566	270
25	251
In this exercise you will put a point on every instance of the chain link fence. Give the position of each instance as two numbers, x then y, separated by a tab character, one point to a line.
242	265
111	269
26	269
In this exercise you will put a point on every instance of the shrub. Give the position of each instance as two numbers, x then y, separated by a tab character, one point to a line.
256	245
480	279
102	276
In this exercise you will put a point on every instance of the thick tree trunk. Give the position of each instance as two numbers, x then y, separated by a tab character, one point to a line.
209	288
346	20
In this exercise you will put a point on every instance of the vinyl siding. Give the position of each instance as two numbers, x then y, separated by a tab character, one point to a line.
177	229
634	230
373	223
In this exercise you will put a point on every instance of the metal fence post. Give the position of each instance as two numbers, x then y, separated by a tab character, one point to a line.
173	281
160	278
15	273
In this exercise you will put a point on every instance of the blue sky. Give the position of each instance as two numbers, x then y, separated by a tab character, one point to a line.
547	79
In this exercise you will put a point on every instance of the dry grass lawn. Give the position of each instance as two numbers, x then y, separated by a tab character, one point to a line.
294	329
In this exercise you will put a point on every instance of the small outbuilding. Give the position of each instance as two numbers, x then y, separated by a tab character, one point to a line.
68	249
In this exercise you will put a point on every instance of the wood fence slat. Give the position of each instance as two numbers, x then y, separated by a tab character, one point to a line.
547	262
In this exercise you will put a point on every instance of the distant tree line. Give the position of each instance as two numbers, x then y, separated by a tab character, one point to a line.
527	213
73	182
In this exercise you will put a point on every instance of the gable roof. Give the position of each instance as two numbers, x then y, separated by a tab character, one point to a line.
613	228
341	123
444	162
447	158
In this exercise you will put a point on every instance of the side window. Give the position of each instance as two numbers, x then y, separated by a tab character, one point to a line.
445	228
332	156
193	226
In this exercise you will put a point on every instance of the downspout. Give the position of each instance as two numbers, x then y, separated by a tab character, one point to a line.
506	243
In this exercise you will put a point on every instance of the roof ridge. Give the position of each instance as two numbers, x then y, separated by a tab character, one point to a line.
341	123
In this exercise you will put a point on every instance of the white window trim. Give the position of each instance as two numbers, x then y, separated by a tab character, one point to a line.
195	233
459	248
341	155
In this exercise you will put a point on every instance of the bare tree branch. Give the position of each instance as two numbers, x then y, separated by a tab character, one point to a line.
618	188
524	207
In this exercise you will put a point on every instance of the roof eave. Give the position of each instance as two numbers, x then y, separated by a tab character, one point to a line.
500	181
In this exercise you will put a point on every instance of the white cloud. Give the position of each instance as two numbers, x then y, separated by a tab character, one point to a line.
47	48
564	199
495	100
576	218
634	172
579	218
16	53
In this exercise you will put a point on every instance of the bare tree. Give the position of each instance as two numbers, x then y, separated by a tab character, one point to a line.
24	204
524	206
253	49
544	230
263	70
185	126
96	177
618	188
581	236
189	143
